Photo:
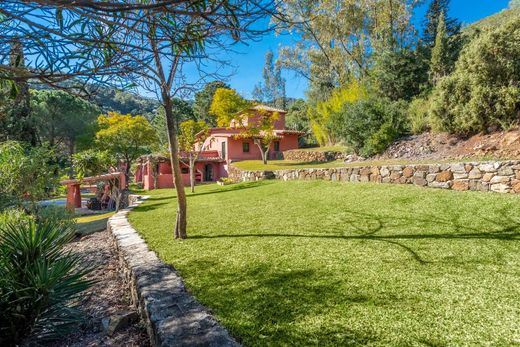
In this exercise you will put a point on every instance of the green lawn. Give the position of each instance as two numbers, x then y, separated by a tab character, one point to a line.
258	165
329	263
92	223
336	148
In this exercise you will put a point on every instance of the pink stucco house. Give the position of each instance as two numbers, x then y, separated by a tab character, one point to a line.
221	149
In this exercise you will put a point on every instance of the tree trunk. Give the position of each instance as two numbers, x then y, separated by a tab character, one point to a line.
171	125
263	152
192	173
71	152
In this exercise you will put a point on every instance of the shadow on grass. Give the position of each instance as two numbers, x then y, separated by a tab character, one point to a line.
232	188
506	229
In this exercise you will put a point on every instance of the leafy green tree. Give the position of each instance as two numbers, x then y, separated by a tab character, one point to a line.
203	100
320	116
369	125
25	173
16	122
399	75
92	162
483	92
439	65
272	90
297	118
127	137
192	138
63	119
431	22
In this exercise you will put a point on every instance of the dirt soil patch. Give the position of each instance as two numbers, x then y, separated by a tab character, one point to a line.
105	298
428	146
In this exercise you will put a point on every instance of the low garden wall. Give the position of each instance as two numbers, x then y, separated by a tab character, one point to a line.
495	176
312	156
173	317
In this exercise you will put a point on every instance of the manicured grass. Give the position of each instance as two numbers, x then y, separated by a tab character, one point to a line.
329	263
258	165
92	223
337	148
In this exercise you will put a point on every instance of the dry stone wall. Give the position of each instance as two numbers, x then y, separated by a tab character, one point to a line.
173	317
312	156
495	176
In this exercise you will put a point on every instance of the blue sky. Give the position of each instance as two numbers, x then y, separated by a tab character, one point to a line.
250	61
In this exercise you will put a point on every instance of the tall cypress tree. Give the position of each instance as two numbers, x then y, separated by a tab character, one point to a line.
431	22
440	61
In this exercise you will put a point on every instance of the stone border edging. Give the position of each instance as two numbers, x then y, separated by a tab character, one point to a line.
173	317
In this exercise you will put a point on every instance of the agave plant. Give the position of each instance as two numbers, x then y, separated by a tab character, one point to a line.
39	281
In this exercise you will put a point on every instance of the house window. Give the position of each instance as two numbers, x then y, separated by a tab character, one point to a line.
185	170
245	147
277	146
223	151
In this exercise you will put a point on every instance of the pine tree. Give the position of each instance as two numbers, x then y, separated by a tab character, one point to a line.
439	65
272	90
436	8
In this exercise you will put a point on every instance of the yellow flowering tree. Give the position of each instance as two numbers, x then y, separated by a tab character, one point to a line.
320	116
127	137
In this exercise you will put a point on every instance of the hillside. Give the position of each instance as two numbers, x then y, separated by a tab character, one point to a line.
428	146
490	22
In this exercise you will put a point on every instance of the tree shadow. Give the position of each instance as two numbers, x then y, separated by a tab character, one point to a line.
232	188
506	228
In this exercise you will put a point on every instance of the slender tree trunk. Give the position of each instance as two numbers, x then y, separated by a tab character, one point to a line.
171	125
192	173
263	152
71	152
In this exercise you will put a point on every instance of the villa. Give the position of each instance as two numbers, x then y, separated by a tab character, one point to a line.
221	149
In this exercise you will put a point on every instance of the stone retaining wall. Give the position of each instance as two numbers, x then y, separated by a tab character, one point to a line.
312	156
501	177
173	317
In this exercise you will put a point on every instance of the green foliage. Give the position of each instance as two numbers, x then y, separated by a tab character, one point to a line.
25	173
321	121
92	162
40	281
225	106
192	136
123	102
439	65
125	136
203	101
182	111
272	90
417	113
62	118
369	126
483	92
431	22
297	118
399	75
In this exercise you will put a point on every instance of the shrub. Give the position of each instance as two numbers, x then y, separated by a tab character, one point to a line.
370	126
39	281
417	114
483	93
24	173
